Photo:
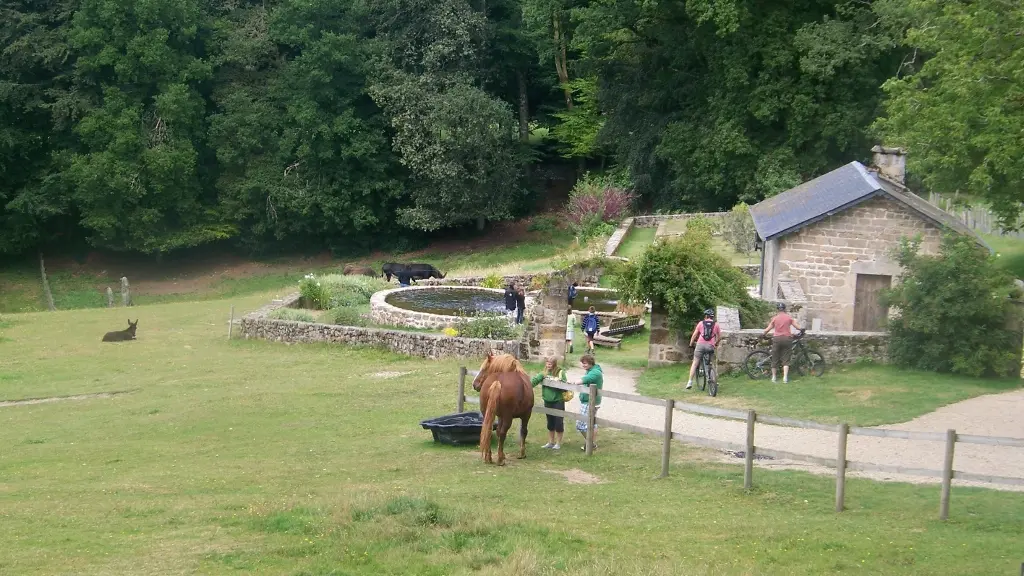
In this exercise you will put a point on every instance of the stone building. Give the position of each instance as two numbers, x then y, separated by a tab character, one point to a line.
828	242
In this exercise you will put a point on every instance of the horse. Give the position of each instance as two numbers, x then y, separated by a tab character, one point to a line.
124	335
505	392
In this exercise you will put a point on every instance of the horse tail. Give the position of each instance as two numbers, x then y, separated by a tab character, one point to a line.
490	411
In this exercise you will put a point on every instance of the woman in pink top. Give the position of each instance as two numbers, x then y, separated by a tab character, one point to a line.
706	335
782	341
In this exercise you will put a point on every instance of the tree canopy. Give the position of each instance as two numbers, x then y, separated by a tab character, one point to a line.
337	124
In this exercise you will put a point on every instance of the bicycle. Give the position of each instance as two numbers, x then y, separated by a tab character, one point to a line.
704	369
758	364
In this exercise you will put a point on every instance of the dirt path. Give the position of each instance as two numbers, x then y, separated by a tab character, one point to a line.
991	415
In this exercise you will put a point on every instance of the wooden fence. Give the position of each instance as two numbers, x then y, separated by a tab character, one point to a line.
840	463
975	216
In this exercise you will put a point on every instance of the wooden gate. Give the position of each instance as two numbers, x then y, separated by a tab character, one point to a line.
868	312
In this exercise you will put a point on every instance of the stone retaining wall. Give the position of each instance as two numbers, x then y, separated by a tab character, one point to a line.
436	346
383	313
652	220
617	237
525	280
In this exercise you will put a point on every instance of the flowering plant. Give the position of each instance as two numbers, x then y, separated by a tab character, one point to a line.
313	292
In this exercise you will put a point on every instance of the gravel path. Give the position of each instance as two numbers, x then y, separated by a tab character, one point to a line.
991	415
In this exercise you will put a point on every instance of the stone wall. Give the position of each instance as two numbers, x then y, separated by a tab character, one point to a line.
524	280
383	313
437	346
652	220
617	237
545	336
670	346
826	257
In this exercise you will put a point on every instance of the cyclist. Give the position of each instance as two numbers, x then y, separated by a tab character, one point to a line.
706	335
782	341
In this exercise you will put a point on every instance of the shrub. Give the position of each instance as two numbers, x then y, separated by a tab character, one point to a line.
490	326
738	229
596	204
345	316
493	281
314	292
544	224
684	277
700	225
952	311
293	314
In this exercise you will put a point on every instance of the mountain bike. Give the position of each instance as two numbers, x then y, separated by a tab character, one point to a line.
758	364
707	376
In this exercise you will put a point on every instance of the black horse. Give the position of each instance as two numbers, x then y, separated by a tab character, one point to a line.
415	271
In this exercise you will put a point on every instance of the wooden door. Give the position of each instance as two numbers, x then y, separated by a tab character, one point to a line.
868	312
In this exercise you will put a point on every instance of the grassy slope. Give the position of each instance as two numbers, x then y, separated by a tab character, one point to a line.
859	395
261	458
1011	253
20	289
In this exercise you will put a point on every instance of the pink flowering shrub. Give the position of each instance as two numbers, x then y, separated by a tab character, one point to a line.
596	204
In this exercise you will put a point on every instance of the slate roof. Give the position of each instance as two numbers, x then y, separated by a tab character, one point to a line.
836	191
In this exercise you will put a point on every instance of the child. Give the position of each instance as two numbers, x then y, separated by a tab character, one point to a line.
590	326
570	329
596	377
552	399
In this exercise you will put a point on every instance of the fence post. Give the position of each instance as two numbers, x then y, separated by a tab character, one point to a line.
947	475
591	417
666	445
842	434
231	323
748	458
460	404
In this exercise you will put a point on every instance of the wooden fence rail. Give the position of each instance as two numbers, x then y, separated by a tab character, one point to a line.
840	463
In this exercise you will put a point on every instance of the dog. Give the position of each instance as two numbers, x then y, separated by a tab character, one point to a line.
122	335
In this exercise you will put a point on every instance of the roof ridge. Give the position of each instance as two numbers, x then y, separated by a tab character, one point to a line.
866	174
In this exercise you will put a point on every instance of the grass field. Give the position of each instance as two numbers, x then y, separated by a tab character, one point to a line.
862	395
260	458
1011	253
636	241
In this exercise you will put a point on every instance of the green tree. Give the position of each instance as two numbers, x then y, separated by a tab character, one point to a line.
957	104
138	182
953	326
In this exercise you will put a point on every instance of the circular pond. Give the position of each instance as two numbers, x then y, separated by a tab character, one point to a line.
446	301
434	307
602	299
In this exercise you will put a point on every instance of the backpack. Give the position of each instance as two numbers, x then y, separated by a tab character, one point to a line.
707	330
590	323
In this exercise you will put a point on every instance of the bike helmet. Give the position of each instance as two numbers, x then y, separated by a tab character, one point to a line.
781	306
709	313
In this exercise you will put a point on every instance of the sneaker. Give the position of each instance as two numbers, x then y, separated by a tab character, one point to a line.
689	385
549	445
785	380
773	380
584	447
556	447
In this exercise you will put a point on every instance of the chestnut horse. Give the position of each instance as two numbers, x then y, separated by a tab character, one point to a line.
505	392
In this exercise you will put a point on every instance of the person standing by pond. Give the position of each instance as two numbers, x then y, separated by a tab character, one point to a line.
570	329
596	377
591	324
520	305
404	279
552	399
782	341
510	302
572	293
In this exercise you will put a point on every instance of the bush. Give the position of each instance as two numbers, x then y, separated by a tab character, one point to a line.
293	314
738	229
345	316
314	292
489	326
543	224
684	276
596	205
493	281
701	225
952	311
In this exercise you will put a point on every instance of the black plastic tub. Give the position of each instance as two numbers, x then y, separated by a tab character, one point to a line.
461	429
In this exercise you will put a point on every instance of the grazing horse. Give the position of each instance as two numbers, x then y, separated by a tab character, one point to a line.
505	392
351	270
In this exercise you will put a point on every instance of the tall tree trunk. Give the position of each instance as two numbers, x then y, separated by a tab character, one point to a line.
561	62
524	107
46	284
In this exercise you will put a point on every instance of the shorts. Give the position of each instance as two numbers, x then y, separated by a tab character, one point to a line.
581	424
702	349
590	335
570	335
555	423
782	351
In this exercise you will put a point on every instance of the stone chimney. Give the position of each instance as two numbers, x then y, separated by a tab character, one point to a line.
891	163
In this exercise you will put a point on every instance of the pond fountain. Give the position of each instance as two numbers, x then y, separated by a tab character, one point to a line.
602	299
434	307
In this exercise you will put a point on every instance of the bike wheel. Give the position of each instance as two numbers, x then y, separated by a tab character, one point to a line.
813	364
712	381
758	364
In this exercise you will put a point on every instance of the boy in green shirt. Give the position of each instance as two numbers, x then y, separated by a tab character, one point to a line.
596	377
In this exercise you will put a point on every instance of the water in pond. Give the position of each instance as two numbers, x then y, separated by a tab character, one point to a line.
448	302
601	300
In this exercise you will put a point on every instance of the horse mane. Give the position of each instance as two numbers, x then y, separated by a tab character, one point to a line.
503	363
